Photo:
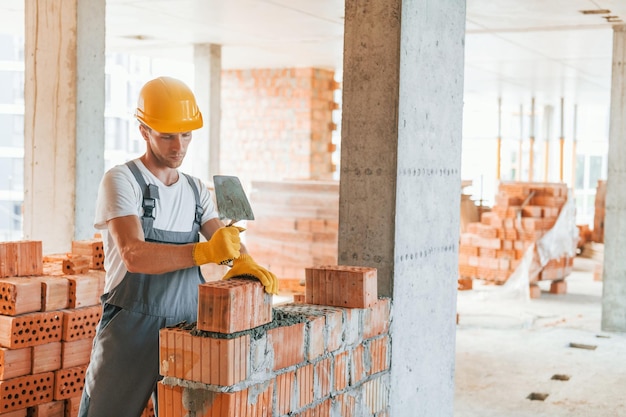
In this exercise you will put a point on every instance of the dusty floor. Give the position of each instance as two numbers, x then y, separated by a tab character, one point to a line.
508	348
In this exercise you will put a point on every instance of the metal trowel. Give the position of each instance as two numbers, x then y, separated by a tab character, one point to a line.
232	203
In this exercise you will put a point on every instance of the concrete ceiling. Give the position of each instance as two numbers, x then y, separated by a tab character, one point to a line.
515	49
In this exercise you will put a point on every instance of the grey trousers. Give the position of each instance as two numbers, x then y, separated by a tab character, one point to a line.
125	358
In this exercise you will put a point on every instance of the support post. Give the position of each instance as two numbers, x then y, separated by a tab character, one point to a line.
614	270
64	96
400	182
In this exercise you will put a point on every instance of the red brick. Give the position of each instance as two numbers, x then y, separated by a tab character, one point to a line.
8	259
486	253
15	362
75	353
69	382
558	287
346	404
80	323
341	286
531	211
465	284
376	395
84	289
149	410
358	369
341	370
468	250
334	329
17	413
305	385
75	264
322	377
315	336
467	271
251	402
534	291
376	318
551	273
285	389
26	391
490	243
322	409
55	293
29	258
209	360
19	296
379	355
71	406
287	343
51	409
93	249
233	305
46	357
30	329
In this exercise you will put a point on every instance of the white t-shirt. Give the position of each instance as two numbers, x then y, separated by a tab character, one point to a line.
120	195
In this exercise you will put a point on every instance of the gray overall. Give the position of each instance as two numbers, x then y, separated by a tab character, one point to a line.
124	367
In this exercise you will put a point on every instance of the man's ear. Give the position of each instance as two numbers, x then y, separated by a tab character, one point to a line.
144	131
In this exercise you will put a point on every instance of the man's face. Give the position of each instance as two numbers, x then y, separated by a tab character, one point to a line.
168	149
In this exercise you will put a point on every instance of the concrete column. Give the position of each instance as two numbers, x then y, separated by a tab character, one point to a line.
208	91
64	119
400	182
614	279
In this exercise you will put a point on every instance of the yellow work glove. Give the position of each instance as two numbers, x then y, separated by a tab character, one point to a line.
244	266
222	248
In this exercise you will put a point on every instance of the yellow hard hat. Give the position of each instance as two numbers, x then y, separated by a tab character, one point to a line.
167	105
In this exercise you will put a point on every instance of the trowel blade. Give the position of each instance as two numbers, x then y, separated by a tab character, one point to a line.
232	203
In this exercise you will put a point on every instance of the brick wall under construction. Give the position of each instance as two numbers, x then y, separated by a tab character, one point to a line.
326	353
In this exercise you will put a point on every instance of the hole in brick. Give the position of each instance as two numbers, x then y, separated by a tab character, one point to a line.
537	396
560	377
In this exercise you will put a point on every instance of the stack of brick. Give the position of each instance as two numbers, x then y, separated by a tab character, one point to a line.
296	225
597	234
327	355
49	312
523	212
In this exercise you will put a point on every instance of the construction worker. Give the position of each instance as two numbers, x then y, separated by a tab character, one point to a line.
150	215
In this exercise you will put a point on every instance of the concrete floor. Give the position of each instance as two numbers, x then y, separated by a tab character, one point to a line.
508	348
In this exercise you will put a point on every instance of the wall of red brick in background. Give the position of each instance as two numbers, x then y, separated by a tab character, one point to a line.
277	123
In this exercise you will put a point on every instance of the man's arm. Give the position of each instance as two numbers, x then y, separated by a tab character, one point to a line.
144	257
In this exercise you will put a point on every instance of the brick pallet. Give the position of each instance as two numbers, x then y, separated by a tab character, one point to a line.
492	249
49	311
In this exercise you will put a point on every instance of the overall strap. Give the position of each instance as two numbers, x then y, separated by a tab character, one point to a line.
196	193
150	195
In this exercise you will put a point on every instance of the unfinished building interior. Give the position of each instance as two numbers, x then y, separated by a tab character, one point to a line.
437	186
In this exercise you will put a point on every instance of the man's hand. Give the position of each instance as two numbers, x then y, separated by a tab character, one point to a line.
222	248
244	266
